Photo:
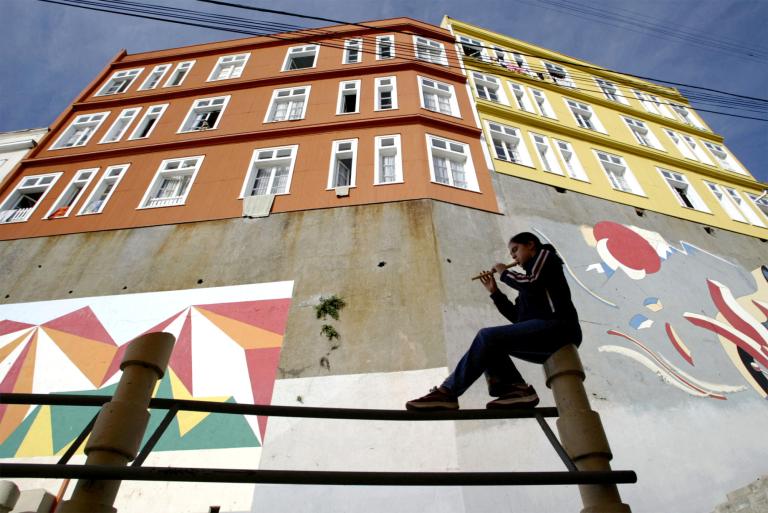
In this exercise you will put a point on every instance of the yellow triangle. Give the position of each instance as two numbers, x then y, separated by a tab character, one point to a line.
39	439
188	419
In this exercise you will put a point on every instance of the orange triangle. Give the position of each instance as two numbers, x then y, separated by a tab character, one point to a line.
247	336
92	357
8	348
15	413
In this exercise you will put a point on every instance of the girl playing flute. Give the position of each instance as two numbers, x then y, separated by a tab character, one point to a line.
543	320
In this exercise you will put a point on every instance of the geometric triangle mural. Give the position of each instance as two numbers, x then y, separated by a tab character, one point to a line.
225	352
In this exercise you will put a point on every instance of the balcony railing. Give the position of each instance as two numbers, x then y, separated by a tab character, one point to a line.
165	202
16	215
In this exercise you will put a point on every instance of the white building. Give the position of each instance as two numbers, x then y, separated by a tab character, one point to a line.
14	146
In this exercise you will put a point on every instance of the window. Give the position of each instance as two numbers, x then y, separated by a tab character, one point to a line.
541	102
25	198
724	157
438	97
155	76
761	202
508	145
179	74
683	191
386	93
662	106
349	97
148	122
743	206
67	200
288	104
80	131
471	47
499	55
103	191
385	47
270	171
450	163
523	103
648	104
686	116
618	173
572	164
388	167
343	164
204	114
229	66
726	202
585	116
172	182
489	88
119	82
559	75
429	50
642	133
611	91
301	57
120	126
697	150
518	64
680	144
546	154
353	51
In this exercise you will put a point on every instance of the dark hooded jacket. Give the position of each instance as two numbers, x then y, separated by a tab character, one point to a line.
543	291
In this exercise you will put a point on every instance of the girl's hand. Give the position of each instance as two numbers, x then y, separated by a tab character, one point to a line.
499	268
489	282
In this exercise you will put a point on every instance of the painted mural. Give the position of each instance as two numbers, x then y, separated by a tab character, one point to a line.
637	273
228	342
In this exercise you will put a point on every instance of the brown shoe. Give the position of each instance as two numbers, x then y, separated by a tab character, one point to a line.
523	397
438	398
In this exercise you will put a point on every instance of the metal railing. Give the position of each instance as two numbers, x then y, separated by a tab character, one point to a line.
15	215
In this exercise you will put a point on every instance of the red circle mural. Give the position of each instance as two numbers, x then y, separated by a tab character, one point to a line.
628	247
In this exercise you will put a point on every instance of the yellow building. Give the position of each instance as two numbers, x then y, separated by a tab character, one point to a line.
561	121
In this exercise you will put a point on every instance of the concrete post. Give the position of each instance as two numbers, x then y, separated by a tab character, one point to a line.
117	433
581	431
9	495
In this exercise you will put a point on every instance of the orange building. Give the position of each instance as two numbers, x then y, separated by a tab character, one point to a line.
348	116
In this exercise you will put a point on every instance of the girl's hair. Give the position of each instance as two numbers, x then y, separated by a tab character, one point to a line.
526	237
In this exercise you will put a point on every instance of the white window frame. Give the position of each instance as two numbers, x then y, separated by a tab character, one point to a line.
511	140
626	174
565	82
73	128
350	46
439	89
671	178
269	156
697	149
154	186
572	164
127	116
543	107
725	201
106	179
348	88
429	50
680	144
545	153
686	115
452	154
724	157
380	150
611	91
743	206
642	133
487	83
466	43
574	106
518	64
646	102
315	49
160	71
183	68
235	64
390	38
74	190
335	151
522	101
661	106
392	87
129	76
761	204
201	106
289	98
20	215
154	111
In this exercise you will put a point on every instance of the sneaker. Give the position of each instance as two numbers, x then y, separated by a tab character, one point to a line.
438	398
496	389
523	397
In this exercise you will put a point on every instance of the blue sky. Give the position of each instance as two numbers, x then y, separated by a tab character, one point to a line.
51	52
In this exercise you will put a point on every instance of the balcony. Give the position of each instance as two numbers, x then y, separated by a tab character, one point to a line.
16	215
164	202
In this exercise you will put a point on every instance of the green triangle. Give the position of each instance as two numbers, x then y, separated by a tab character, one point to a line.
12	443
68	421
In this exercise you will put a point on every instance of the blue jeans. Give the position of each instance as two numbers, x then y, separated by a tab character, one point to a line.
533	340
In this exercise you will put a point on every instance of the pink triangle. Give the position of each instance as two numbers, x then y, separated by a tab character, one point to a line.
270	314
83	323
262	369
181	358
8	326
10	379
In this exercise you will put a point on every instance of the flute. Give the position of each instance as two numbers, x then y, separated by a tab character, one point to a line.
488	273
